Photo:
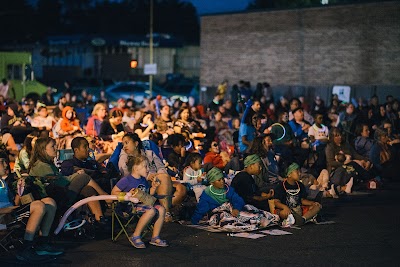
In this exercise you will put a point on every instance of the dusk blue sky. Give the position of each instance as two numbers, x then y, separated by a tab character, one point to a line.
218	6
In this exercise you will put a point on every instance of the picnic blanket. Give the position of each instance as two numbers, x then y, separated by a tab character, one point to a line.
249	219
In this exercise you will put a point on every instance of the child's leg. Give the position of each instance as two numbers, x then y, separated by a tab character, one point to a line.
37	211
95	208
50	211
312	211
179	194
281	214
160	221
144	220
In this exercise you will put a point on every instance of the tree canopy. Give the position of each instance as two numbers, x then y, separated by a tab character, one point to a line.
29	22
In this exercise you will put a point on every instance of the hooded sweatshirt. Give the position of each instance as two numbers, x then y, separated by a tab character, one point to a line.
68	124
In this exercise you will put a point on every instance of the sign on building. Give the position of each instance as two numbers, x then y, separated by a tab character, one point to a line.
150	69
343	92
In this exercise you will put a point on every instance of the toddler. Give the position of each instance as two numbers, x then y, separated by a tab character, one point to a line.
193	175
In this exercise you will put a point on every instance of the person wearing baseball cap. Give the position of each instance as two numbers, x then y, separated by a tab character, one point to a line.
247	188
291	198
216	194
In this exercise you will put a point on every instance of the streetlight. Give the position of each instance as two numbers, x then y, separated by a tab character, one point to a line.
151	47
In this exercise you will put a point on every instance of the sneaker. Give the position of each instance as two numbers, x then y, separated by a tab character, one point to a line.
47	249
30	255
316	219
288	222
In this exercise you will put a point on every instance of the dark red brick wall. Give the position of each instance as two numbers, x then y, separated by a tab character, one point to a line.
352	45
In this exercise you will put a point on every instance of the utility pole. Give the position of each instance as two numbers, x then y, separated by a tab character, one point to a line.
151	47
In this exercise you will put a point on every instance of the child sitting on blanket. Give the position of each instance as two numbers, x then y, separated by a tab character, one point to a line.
216	194
291	198
228	207
138	167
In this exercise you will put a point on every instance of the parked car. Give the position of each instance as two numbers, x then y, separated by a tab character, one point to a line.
92	86
136	91
183	87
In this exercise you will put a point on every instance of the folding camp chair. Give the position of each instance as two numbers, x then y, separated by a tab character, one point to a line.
64	154
123	219
126	220
11	233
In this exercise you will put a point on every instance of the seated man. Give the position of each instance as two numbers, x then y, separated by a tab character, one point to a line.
80	161
39	214
246	187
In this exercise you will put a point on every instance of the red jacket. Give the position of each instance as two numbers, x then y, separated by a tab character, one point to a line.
215	159
66	124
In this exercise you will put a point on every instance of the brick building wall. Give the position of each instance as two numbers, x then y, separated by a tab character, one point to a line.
351	45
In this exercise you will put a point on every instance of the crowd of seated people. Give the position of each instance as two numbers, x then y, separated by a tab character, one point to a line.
266	152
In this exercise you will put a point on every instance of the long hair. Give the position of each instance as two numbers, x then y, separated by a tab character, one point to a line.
257	147
28	144
385	154
97	107
333	132
135	137
144	114
183	109
39	151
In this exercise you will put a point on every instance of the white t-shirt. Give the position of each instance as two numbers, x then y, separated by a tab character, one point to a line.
319	133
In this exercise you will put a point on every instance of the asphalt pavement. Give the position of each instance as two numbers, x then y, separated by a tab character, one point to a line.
365	233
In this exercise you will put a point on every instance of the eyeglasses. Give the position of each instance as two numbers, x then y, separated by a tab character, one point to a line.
214	145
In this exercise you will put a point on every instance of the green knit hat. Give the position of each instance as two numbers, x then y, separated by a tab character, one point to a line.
251	159
214	175
292	167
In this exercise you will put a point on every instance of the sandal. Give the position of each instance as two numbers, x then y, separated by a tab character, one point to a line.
158	242
168	217
137	242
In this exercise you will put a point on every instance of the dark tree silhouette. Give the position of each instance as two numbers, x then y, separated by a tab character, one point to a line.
24	22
